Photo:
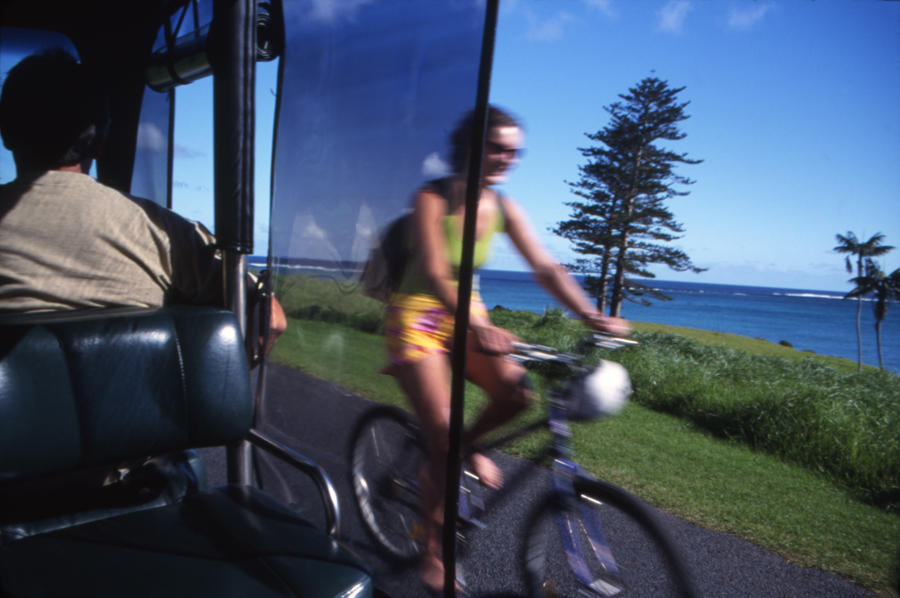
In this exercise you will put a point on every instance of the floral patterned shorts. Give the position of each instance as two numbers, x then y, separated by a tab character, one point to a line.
419	325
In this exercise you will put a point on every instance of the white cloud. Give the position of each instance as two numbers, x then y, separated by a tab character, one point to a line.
366	234
604	6
673	14
509	7
547	29
434	166
150	137
329	11
183	151
309	240
747	17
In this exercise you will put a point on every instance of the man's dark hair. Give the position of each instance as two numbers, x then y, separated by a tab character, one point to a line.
461	139
52	112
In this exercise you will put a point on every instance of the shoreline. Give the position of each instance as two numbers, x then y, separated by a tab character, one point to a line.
755	345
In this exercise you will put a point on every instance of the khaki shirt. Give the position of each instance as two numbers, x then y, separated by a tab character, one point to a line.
69	242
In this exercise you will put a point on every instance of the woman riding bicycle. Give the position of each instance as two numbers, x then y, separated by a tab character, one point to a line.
420	315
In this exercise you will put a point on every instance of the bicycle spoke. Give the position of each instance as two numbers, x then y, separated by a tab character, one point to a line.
386	458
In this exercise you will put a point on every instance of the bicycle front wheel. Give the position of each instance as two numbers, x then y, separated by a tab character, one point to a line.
601	541
387	455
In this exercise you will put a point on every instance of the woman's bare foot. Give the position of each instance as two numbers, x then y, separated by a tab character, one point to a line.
432	572
486	470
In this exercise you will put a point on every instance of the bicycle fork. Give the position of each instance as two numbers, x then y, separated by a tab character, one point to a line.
574	513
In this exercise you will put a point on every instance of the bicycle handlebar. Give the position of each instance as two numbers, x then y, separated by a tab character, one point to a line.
534	352
609	341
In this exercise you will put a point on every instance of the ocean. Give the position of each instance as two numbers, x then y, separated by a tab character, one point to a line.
810	320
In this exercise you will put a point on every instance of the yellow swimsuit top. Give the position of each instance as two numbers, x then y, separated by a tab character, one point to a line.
414	281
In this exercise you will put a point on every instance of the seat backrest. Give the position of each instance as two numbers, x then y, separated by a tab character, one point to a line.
81	390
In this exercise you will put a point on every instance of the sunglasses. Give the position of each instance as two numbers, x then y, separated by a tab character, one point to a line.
495	148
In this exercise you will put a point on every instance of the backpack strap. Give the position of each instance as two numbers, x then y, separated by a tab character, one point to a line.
501	205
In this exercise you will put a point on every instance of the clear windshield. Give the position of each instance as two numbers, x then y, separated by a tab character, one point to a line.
369	95
150	178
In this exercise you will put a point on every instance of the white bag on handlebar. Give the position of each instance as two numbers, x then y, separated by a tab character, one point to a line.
604	391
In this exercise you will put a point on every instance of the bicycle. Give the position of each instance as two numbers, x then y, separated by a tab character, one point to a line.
587	538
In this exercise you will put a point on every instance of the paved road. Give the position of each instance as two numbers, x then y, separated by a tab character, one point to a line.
321	415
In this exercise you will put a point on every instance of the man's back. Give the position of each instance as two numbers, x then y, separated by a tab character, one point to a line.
69	242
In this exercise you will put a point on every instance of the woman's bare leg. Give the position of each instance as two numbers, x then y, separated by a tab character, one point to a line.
502	381
427	385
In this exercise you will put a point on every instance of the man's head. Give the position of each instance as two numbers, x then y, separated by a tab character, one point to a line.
52	113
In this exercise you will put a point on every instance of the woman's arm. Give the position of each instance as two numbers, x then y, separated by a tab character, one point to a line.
554	276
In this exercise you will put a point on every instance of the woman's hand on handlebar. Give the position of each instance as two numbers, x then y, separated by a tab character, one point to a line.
600	323
493	340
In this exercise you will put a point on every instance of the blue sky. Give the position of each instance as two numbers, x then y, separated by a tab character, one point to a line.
795	110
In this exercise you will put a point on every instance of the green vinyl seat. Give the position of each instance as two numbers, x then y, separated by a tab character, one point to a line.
85	395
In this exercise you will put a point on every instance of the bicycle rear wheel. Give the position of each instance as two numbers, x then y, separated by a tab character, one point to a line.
601	541
387	455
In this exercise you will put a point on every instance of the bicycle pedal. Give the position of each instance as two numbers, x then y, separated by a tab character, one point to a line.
547	589
468	519
461	578
477	523
600	587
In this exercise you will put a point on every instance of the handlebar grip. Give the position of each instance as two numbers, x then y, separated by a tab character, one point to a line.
611	341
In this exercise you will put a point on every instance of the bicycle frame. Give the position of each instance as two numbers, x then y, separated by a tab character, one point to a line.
564	471
612	542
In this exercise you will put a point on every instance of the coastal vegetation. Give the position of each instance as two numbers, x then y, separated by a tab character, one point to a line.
883	288
868	281
796	452
845	426
620	225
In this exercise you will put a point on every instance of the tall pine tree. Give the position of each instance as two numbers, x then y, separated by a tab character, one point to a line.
621	224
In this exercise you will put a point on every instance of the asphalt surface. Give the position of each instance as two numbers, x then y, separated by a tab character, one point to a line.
316	418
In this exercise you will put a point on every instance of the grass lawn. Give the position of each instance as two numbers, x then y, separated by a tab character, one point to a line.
716	482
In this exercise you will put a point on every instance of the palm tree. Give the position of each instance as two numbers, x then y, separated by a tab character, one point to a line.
884	287
850	245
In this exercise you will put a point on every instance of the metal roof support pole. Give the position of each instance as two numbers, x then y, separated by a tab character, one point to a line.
233	58
170	148
458	355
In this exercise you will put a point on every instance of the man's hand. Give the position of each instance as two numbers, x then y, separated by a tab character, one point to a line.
277	324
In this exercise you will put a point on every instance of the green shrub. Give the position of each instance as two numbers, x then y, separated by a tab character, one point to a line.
324	299
846	426
840	423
